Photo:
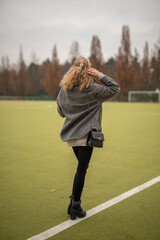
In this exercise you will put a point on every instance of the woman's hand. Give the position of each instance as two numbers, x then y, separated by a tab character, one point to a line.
94	72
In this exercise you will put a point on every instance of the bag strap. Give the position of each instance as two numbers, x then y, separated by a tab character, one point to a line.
89	113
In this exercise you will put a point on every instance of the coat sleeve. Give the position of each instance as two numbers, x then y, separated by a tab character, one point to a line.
108	90
59	109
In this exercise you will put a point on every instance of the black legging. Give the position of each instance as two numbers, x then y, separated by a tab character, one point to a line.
83	154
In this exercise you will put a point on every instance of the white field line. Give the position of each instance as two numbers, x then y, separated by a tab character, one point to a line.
64	225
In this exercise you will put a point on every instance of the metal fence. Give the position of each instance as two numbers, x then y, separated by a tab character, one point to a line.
41	97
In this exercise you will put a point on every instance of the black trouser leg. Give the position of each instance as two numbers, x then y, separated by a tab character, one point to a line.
83	154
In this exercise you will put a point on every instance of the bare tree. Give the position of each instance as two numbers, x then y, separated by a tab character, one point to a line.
96	56
34	79
126	45
34	58
74	52
22	78
145	69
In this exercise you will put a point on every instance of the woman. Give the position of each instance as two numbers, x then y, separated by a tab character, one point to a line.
79	101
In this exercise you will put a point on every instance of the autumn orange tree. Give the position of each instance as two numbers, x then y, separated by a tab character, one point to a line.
53	75
42	74
7	81
128	70
155	66
125	73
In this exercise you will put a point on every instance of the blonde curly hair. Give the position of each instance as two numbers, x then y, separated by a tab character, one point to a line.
77	75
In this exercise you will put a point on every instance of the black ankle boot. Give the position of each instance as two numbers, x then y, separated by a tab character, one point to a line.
69	206
76	210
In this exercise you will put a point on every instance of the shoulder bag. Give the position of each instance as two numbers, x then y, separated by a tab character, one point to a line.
95	138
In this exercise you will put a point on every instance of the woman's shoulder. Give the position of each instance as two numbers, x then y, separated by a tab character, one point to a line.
92	87
77	92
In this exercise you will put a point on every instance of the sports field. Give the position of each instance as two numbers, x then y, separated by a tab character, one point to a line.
34	160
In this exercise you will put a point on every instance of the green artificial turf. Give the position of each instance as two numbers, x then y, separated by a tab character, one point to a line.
34	160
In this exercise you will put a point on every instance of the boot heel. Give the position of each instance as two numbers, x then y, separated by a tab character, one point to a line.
73	216
76	210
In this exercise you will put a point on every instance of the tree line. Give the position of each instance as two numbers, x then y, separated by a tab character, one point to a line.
130	72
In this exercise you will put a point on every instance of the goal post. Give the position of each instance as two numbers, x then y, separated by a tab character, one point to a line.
144	96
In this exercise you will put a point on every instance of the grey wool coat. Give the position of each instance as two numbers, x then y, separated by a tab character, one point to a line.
74	105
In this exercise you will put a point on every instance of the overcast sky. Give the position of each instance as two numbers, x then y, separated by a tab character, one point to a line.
39	24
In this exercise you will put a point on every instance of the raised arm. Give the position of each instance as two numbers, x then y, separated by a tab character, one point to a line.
110	87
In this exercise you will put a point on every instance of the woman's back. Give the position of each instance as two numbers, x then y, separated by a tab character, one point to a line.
80	102
75	105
